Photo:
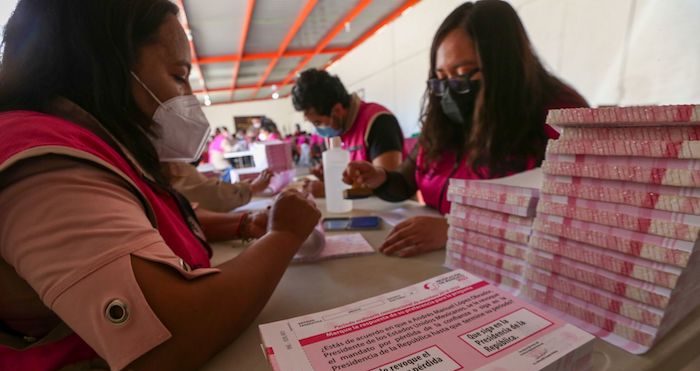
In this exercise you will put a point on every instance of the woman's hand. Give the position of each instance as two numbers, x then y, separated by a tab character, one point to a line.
256	225
295	214
416	236
365	174
315	187
260	184
317	171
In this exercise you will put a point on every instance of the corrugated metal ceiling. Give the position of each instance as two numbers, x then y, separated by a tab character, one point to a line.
217	29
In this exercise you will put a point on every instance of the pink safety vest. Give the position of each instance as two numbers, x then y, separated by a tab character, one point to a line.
433	178
25	130
355	139
217	143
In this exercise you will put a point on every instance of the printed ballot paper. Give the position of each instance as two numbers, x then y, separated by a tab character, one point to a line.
455	321
334	246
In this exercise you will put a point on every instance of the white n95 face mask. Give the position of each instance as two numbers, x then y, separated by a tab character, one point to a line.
182	130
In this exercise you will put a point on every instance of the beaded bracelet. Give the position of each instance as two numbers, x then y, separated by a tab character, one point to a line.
245	219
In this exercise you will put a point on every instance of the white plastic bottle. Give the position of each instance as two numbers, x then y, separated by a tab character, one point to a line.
335	160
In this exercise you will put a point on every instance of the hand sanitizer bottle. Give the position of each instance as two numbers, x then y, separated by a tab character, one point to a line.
335	160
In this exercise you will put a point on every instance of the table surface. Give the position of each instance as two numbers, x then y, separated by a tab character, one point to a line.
313	287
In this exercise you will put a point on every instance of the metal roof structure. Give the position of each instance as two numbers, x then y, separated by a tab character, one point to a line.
245	50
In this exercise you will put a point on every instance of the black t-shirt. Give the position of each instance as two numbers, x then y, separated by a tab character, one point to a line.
385	135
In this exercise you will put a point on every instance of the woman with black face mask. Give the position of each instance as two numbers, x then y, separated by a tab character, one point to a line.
483	117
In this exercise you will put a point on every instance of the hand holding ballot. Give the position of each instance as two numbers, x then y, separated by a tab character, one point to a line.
261	182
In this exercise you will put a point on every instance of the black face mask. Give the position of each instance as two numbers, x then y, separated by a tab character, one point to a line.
459	108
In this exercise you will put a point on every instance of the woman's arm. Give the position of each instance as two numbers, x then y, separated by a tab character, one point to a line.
400	185
207	314
211	193
120	258
393	186
231	226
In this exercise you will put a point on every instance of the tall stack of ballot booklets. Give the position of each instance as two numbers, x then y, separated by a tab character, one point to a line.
614	240
490	226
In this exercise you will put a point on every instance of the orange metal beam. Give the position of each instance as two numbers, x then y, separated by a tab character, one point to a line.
340	51
388	19
298	22
186	25
265	55
244	36
361	5
248	100
235	58
240	87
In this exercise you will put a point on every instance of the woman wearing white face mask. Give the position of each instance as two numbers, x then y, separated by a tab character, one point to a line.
100	261
182	129
182	135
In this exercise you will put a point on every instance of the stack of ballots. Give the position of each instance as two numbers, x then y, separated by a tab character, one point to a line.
614	240
490	226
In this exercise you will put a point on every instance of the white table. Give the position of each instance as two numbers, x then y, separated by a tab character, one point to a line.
308	288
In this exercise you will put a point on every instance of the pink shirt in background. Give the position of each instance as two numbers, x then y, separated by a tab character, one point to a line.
317	140
217	143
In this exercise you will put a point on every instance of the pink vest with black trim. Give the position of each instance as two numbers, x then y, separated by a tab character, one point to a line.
354	140
432	178
25	130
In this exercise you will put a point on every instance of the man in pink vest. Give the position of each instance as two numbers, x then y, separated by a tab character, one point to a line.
368	130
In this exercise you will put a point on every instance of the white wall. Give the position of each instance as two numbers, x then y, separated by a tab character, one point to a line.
6	9
392	65
612	51
624	52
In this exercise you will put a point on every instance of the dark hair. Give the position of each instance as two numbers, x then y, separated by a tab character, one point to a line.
269	125
83	50
319	90
508	123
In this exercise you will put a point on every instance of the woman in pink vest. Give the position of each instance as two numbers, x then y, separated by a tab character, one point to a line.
102	264
484	117
218	147
269	131
368	130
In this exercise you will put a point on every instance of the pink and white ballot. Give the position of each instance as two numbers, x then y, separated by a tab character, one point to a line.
455	321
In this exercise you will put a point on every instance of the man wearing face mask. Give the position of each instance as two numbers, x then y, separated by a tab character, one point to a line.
369	131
